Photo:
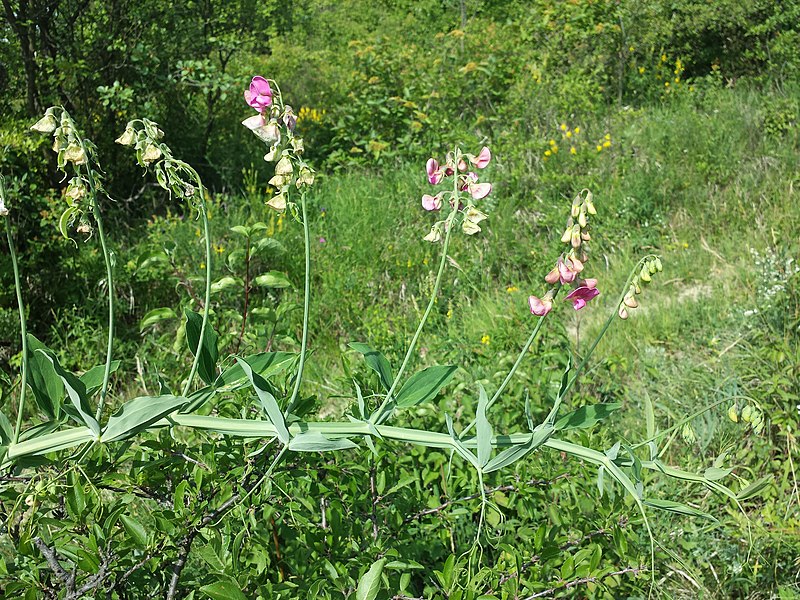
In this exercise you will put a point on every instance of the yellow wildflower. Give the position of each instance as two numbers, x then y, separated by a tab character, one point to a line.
485	340
577	130
449	312
572	150
219	249
606	144
599	147
511	289
641	70
563	127
607	136
568	134
547	153
552	142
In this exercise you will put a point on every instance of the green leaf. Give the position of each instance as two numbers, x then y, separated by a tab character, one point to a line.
483	430
754	488
46	385
267	244
460	448
223	590
370	582
375	361
273	279
156	316
207	367
316	442
265	364
511	455
678	508
76	392
267	400
135	530
138	414
241	230
716	473
650	417
93	378
423	386
226	282
586	416
210	556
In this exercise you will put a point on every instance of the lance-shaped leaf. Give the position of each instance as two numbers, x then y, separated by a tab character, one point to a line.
156	316
586	416
46	385
207	367
423	386
375	361
265	364
138	414
312	441
267	400
370	583
678	508
460	448
511	455
483	430
76	392
93	378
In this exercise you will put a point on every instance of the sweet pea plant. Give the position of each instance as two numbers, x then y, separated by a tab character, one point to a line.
259	397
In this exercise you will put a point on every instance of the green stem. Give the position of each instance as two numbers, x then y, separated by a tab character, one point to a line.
306	303
511	373
23	329
207	300
607	324
110	281
380	415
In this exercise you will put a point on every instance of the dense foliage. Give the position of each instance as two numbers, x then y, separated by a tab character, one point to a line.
680	116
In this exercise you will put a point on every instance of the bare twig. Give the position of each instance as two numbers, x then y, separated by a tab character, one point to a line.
584	580
52	561
501	488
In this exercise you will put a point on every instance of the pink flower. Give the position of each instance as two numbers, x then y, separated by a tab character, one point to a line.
581	295
475	189
540	306
259	96
482	159
431	202
435	174
567	270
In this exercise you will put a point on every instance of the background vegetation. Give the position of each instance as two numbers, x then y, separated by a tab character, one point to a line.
680	116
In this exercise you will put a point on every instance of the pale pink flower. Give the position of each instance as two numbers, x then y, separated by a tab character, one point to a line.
581	295
431	202
475	189
540	306
259	96
553	276
482	159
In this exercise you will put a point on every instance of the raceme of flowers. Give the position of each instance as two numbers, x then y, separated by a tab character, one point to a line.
274	125
569	266
466	189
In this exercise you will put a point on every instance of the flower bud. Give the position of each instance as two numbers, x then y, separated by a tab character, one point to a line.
552	277
623	312
645	274
630	301
651	266
567	235
128	137
575	240
306	177
277	202
747	413
435	234
47	124
284	166
659	266
151	153
582	219
733	414
75	154
540	306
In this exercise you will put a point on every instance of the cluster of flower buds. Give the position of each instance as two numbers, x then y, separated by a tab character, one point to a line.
173	175
274	125
75	156
650	266
466	181
749	414
570	265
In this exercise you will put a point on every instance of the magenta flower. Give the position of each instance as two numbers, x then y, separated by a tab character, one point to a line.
431	202
259	96
540	306
581	295
435	174
482	159
567	270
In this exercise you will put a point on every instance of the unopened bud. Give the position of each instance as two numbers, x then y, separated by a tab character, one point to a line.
659	266
733	414
623	312
284	166
75	154
747	413
630	301
151	153
47	124
575	240
585	236
567	235
576	207
651	266
277	202
128	137
582	218
306	177
645	274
